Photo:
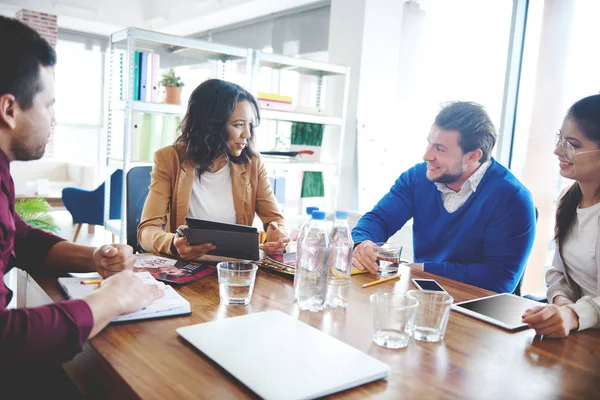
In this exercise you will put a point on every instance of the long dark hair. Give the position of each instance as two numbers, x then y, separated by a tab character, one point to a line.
204	129
586	115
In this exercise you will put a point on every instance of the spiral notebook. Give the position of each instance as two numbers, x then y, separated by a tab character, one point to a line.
170	304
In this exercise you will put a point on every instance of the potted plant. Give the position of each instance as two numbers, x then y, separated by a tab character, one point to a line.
36	213
173	85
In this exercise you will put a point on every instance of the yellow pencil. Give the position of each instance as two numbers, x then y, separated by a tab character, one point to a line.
377	282
91	282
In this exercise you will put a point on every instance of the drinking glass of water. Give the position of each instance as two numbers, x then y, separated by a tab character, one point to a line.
236	282
388	257
393	319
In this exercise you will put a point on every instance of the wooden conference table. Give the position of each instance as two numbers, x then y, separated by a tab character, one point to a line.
148	360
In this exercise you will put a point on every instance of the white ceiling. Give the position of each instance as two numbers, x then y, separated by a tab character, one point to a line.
178	17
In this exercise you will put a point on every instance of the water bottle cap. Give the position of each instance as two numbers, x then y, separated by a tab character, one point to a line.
341	214
309	210
318	215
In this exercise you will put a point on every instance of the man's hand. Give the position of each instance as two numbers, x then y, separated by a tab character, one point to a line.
113	258
188	252
364	257
551	321
122	293
275	243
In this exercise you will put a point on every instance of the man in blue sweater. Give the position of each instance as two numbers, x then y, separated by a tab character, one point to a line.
473	221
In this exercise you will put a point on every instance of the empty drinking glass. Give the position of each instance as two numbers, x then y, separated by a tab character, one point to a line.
236	282
393	319
432	314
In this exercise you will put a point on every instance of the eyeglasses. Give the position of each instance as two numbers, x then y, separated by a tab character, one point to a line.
566	148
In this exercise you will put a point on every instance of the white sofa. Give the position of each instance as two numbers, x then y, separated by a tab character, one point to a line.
47	177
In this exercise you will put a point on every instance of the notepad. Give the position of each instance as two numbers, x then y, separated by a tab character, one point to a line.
170	304
279	357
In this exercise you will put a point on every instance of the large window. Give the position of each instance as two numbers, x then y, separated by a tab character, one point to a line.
561	65
79	102
451	50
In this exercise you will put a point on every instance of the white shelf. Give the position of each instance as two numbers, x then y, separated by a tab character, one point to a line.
300	65
285	165
115	162
149	108
113	226
213	50
275	115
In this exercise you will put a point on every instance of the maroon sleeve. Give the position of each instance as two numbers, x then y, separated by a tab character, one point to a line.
32	245
46	334
43	335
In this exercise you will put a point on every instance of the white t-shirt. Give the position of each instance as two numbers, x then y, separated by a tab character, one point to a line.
212	197
579	252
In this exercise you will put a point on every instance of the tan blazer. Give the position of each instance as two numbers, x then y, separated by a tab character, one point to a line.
168	200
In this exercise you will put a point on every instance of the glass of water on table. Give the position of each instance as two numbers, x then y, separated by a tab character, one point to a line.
388	257
236	282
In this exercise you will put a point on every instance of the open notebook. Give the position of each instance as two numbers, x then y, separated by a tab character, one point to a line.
171	303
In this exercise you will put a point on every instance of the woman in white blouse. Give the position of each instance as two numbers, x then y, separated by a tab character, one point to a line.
574	279
211	172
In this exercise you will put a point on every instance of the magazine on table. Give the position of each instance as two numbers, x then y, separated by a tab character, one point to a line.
171	270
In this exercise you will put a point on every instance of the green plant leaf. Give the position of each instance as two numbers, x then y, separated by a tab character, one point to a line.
35	212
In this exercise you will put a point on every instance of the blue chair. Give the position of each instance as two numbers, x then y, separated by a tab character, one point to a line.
87	206
138	180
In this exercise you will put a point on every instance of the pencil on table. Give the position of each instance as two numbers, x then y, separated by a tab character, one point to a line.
91	282
377	282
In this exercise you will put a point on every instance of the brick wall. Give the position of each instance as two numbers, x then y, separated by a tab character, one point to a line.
46	26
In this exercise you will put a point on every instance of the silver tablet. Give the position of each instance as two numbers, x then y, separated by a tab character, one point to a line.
504	310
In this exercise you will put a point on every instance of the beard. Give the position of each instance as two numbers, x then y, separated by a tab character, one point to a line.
25	152
448	177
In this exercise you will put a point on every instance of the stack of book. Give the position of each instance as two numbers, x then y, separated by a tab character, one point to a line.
284	263
274	101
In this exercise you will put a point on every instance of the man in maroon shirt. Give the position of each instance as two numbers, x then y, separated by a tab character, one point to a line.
48	335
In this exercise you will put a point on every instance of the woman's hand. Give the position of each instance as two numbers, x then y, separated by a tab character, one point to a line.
275	243
551	321
188	252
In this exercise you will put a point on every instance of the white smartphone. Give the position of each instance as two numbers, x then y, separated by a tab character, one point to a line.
428	285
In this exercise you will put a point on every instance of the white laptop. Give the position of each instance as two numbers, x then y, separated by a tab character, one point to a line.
279	357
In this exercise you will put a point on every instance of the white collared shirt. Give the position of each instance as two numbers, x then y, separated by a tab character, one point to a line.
454	200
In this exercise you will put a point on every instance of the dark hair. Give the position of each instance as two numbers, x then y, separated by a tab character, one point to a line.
586	115
473	123
204	129
23	51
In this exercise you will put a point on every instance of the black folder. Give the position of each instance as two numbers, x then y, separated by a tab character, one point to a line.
232	240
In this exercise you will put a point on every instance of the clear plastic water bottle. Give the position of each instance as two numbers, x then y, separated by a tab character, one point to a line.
301	235
312	266
340	261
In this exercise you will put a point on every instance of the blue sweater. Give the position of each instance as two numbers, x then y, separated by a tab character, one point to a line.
486	242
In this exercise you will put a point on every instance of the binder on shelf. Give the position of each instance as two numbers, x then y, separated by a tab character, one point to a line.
148	83
154	77
231	240
136	76
143	74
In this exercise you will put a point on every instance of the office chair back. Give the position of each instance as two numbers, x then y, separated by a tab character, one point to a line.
138	180
518	289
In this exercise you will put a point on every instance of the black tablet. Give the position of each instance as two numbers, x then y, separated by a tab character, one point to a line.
504	310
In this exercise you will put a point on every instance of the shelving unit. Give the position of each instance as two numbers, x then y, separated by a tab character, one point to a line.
333	119
120	115
128	41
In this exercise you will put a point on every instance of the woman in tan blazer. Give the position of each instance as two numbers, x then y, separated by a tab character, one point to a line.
211	172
